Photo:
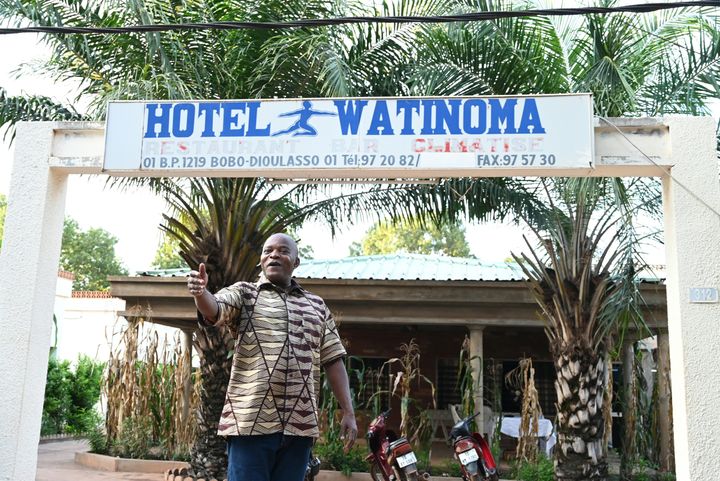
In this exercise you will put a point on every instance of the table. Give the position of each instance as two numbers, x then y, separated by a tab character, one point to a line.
510	426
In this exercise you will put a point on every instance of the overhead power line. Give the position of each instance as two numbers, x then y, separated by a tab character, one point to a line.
322	22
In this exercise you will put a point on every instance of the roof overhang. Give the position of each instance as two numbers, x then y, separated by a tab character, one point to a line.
165	300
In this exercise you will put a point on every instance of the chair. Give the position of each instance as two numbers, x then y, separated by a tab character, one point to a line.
490	420
440	418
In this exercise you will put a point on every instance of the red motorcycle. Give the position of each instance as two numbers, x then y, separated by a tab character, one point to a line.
473	452
391	458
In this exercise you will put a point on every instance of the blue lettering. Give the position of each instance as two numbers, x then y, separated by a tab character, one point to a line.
349	114
530	121
475	116
380	120
252	130
427	117
407	107
153	120
445	119
231	123
184	112
504	114
208	109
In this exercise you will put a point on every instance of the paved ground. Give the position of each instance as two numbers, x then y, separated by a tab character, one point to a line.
56	462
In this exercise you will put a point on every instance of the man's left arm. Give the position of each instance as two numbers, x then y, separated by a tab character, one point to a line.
337	376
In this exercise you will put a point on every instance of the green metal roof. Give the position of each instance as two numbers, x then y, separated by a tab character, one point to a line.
409	267
393	267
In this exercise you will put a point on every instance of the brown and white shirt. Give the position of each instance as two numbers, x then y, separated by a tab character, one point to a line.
282	338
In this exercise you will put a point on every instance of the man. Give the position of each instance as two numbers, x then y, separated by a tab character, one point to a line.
284	334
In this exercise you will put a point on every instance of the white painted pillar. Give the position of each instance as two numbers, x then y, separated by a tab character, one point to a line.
29	260
664	416
477	364
692	238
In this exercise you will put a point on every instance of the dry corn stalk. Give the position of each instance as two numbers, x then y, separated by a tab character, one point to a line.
147	380
523	379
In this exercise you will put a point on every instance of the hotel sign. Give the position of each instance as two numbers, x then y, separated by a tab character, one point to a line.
318	137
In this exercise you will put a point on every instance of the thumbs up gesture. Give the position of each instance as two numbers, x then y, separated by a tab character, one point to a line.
197	281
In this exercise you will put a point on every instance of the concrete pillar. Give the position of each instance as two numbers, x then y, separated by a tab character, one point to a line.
692	239
477	364
29	260
664	400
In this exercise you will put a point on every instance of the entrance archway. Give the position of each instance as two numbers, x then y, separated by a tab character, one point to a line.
683	155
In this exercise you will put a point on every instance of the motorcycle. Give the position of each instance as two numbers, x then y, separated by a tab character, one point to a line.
313	468
391	457
473	452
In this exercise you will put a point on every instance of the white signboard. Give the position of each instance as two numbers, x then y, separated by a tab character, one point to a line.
278	138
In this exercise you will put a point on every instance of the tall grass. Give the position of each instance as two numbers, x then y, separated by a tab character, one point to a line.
150	410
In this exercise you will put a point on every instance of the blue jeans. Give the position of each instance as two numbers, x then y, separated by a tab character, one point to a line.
268	457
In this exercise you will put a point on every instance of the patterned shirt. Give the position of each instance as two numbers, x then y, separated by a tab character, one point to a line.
282	338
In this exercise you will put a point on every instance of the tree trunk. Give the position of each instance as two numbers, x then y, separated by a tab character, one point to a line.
628	455
580	385
208	457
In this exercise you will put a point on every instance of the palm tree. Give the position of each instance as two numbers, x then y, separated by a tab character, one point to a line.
632	64
582	274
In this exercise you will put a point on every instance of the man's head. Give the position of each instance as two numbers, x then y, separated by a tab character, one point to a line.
279	259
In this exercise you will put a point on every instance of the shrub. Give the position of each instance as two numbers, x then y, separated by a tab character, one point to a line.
70	397
542	470
333	457
98	441
58	399
134	440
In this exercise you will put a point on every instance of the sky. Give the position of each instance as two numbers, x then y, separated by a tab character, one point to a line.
134	216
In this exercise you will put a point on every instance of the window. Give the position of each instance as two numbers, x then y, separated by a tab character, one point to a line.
446	383
368	377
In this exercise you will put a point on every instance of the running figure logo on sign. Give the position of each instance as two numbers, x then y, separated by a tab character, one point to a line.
302	127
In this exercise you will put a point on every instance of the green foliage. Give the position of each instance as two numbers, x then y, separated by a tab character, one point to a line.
450	467
98	441
414	237
330	448
168	256
90	256
333	457
135	439
86	383
541	470
58	400
16	109
70	397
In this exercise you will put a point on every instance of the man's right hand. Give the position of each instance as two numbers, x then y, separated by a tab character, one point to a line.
197	281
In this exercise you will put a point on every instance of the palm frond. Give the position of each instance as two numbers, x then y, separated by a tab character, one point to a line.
15	109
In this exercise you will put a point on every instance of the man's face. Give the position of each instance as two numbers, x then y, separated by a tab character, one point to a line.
279	259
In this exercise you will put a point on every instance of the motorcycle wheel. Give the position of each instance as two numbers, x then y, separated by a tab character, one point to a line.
410	477
402	476
493	477
375	474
